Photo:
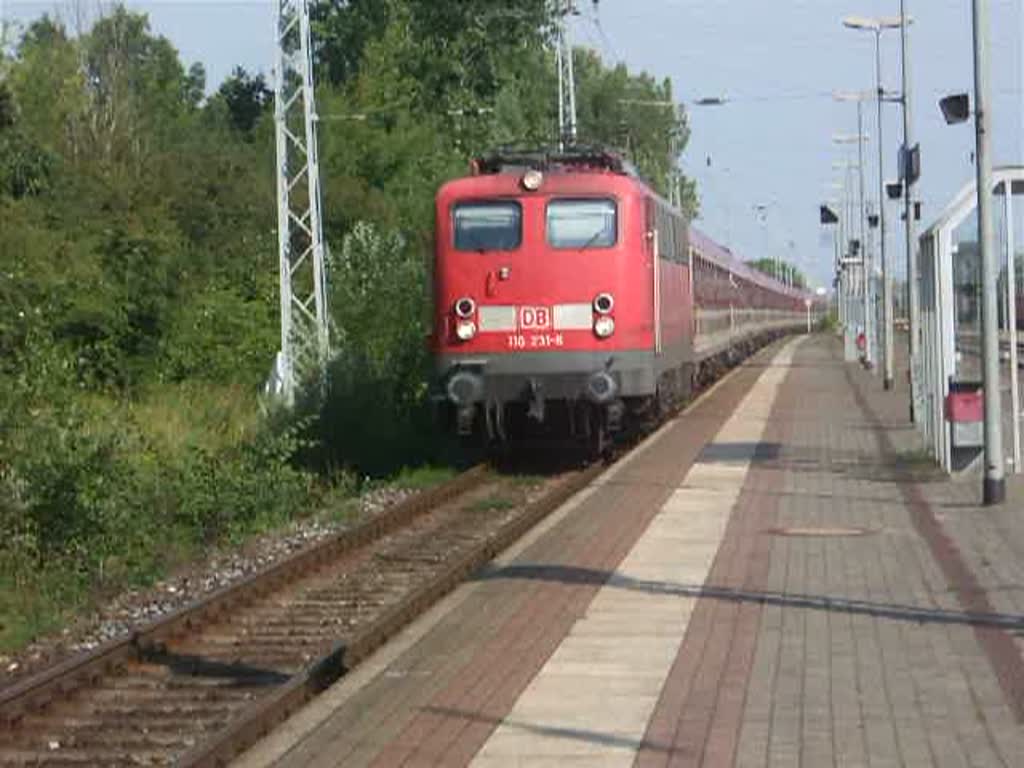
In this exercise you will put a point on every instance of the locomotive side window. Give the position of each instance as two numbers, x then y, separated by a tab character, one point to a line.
582	223
488	226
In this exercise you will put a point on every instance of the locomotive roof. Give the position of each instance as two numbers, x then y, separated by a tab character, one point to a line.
558	180
575	158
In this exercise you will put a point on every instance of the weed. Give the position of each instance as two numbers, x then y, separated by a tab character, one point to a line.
490	504
421	478
527	481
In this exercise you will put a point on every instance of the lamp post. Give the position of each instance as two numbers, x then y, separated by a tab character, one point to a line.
910	228
877	26
994	488
957	109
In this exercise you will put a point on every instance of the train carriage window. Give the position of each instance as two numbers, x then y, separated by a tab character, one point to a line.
582	223
668	236
488	226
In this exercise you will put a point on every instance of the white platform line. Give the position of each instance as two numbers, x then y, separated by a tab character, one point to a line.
303	723
595	695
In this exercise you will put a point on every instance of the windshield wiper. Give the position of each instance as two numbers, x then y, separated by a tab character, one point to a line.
593	239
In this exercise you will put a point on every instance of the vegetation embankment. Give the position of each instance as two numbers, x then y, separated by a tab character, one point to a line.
138	274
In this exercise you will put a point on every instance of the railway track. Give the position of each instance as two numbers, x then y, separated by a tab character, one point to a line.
201	685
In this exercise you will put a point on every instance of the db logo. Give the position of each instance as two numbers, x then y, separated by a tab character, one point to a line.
534	318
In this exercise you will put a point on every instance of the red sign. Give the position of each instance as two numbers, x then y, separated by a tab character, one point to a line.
534	318
965	407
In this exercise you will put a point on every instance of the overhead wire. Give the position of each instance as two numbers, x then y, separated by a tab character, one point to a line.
596	20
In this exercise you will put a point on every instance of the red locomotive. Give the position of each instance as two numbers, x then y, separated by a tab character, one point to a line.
569	296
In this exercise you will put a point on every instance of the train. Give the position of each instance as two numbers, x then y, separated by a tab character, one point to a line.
570	299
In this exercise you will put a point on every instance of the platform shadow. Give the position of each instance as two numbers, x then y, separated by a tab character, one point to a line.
739	453
560	732
574	575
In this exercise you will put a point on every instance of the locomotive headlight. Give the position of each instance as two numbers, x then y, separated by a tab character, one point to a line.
604	303
604	327
532	180
465	330
465	307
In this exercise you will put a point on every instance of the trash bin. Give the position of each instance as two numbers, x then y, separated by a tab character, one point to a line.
965	412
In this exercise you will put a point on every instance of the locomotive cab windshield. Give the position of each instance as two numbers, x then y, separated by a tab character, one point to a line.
491	225
582	223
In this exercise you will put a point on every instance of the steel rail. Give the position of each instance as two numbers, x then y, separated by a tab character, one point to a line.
269	712
35	692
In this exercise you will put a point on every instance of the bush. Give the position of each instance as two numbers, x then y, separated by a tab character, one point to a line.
89	502
375	417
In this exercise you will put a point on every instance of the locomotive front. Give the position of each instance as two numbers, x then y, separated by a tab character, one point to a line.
542	300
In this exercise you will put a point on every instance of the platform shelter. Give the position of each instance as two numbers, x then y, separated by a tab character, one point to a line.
948	372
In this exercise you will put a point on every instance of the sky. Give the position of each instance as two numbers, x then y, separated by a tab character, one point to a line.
777	64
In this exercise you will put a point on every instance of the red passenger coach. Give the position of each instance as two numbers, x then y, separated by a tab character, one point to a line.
552	304
564	296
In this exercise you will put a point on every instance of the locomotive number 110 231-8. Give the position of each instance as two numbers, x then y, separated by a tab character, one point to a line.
535	340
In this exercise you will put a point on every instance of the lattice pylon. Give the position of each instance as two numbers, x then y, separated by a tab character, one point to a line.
305	337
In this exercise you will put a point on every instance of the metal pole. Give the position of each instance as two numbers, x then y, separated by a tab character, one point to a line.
566	79
841	309
571	85
913	290
302	271
561	92
887	314
994	488
1011	324
865	260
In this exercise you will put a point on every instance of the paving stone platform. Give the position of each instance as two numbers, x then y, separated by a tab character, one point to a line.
778	577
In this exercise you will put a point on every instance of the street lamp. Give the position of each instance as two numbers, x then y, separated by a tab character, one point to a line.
909	162
877	26
956	109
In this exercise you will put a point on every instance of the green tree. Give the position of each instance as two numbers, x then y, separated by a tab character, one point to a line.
136	87
246	98
633	112
138	267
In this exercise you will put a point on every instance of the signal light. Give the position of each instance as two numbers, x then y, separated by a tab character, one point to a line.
465	308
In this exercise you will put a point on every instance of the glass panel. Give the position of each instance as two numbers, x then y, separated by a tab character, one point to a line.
967	299
582	223
488	226
1012	439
